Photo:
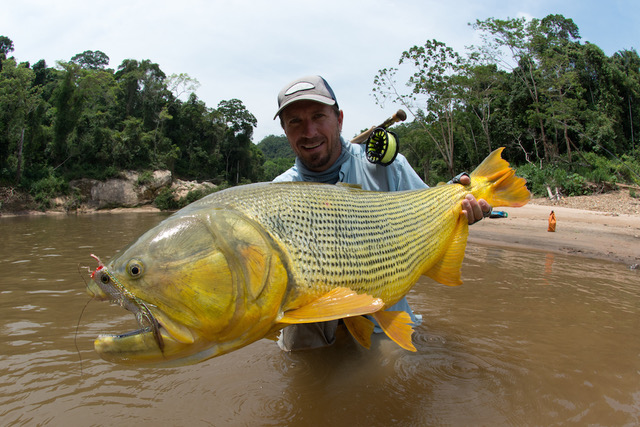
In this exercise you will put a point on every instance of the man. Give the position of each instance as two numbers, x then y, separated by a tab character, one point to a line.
312	122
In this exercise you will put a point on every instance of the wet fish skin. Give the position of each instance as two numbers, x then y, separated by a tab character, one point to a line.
240	264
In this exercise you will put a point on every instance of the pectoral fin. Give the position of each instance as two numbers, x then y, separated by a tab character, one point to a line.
361	329
397	326
335	304
447	269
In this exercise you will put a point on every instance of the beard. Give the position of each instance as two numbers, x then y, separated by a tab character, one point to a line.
321	160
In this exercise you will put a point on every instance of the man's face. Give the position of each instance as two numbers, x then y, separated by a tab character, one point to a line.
313	130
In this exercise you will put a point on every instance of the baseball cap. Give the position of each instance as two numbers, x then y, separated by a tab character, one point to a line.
312	88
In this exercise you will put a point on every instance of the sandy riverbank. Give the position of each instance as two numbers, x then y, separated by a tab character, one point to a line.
588	233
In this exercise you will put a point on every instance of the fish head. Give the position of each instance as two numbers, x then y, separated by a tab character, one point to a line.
200	285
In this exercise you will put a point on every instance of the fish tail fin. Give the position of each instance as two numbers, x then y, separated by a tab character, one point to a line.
495	181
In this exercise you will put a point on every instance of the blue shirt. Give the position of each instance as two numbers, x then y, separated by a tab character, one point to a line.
352	167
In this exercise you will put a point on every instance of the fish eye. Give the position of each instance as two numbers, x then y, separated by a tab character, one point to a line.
134	268
104	278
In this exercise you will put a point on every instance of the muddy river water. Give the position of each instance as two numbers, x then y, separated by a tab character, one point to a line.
530	338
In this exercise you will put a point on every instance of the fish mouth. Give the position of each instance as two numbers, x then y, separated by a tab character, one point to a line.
148	340
158	340
150	336
159	337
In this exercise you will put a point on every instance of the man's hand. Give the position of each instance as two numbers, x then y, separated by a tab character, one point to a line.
474	209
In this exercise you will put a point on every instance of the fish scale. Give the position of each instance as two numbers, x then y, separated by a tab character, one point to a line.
340	236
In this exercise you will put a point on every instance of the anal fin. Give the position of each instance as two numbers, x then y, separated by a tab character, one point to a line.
397	326
335	304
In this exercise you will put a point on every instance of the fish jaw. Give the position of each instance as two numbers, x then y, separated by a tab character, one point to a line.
139	347
171	345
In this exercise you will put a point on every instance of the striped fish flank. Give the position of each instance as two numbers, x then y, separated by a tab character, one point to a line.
377	243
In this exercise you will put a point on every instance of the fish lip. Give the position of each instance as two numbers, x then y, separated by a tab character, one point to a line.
142	330
146	320
128	347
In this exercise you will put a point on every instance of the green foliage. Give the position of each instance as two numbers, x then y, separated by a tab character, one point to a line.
529	85
536	178
165	200
273	168
564	109
629	167
48	187
82	119
599	168
278	155
275	147
439	173
574	185
194	195
144	178
582	176
91	60
570	184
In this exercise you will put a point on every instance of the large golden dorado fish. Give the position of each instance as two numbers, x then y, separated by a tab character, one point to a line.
241	264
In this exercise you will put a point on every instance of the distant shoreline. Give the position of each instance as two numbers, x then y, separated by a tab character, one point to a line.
594	234
137	209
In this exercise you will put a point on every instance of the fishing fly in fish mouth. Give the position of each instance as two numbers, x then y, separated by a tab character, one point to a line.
240	264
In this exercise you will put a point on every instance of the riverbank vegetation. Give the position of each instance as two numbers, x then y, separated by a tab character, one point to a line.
567	114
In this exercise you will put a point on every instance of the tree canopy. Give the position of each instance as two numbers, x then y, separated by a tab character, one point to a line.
561	107
82	119
530	85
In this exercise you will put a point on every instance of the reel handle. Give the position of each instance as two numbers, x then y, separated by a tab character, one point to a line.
399	116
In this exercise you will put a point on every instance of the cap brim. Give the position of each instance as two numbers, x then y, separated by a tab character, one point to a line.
310	97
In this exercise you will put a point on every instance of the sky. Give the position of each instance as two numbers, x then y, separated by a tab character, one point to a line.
250	49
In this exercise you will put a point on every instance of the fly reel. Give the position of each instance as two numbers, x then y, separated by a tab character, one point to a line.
382	147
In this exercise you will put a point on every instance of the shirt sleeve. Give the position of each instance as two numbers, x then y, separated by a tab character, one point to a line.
288	176
403	177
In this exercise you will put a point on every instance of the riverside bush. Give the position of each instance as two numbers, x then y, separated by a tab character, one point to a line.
44	189
570	183
165	200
